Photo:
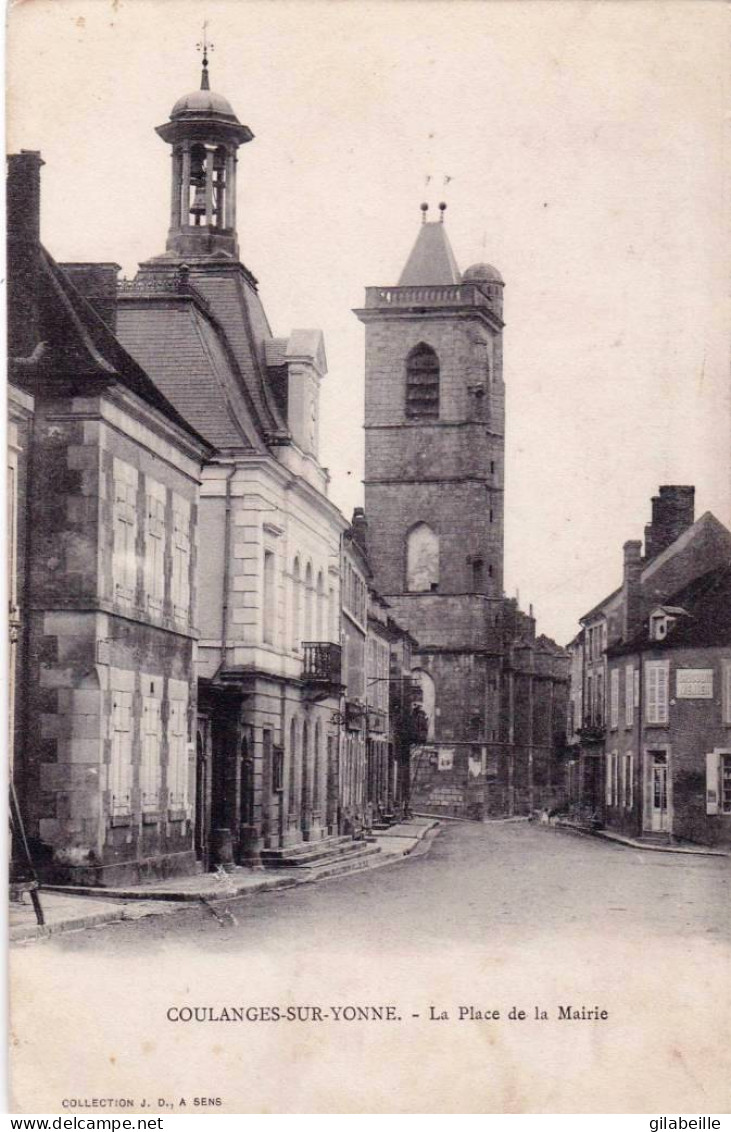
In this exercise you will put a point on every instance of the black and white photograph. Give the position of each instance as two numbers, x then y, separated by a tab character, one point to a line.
369	556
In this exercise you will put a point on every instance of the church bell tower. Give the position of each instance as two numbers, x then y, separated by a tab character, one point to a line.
434	468
205	135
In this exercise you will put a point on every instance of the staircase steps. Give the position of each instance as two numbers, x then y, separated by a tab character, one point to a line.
313	854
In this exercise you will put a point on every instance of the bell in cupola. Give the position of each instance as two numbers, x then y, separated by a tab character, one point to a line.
198	207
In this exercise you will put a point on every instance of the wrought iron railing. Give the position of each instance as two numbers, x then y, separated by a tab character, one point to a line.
322	663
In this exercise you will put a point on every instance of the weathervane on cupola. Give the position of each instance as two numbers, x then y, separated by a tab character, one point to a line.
205	135
205	47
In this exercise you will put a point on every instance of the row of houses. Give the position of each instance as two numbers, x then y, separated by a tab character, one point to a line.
650	688
201	668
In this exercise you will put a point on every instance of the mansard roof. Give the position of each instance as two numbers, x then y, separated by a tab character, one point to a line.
203	336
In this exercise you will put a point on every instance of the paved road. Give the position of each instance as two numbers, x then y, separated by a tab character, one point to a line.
501	917
496	880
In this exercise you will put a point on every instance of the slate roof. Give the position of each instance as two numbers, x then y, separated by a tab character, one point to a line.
432	260
239	311
707	602
186	355
76	345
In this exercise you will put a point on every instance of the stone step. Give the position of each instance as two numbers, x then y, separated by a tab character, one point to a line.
345	863
307	853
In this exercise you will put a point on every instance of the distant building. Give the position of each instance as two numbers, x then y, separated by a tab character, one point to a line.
434	497
668	745
104	517
651	745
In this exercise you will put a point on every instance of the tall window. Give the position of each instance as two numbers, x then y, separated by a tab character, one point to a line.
181	558
308	602
422	559
321	608
177	754
656	676
614	699
150	764
124	558
268	598
155	545
296	608
121	768
629	695
422	383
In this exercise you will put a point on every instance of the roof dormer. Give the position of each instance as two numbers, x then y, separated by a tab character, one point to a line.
662	620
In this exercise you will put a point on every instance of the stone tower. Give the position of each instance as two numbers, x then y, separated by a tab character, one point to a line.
434	467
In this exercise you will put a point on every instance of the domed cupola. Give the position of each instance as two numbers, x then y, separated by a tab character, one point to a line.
205	135
489	280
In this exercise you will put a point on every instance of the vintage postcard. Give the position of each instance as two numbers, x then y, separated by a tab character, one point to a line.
369	557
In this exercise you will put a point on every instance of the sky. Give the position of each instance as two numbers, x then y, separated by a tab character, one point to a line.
586	146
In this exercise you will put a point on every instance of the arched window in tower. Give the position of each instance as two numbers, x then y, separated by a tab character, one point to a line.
422	383
422	559
197	201
219	187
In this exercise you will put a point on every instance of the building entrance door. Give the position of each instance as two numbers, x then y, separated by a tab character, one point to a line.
658	791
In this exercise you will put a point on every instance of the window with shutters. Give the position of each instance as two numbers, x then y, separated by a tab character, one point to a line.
177	732
627	782
726	690
150	770
656	690
154	545
725	769
124	555
612	794
422	383
614	699
629	695
121	766
181	558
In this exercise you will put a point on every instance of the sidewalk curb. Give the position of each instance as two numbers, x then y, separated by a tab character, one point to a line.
178	901
37	931
632	843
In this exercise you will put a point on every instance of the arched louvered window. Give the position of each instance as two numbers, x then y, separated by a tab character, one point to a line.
422	383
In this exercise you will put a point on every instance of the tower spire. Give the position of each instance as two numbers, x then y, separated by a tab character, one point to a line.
205	47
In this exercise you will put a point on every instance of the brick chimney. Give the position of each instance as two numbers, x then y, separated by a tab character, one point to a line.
360	529
97	283
631	589
23	203
673	511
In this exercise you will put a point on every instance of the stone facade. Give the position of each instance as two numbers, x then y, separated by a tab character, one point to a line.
434	493
107	691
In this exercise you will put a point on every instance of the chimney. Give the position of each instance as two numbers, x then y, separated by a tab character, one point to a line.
97	283
23	204
673	511
631	589
360	529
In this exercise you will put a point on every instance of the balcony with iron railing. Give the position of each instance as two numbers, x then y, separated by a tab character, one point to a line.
593	730
322	668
